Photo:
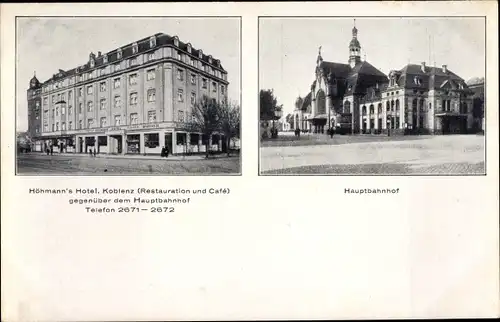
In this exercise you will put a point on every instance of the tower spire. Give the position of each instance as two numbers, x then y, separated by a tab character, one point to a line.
354	47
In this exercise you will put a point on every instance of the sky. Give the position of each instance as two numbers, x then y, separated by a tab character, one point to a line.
288	48
46	45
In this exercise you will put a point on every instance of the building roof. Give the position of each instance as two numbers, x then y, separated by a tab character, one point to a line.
363	76
162	40
430	78
336	69
306	105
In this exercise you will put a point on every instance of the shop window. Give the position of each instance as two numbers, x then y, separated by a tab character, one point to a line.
181	138
152	140
194	138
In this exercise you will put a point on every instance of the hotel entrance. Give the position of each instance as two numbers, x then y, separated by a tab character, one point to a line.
115	144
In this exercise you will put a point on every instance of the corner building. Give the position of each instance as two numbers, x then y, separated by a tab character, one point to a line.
135	99
358	98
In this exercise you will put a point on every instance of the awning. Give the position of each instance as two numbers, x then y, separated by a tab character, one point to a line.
450	114
320	117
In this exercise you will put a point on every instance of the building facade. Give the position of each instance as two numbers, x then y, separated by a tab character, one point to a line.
358	98
135	99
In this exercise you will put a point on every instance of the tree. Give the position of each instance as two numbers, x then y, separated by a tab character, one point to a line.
268	105
205	119
230	120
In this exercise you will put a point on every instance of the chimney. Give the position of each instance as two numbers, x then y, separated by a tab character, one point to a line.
423	67
445	69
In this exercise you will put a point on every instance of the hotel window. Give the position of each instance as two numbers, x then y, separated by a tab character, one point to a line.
80	108
181	116
151	95
180	74
58	97
70	110
63	126
189	48
133	62
45	101
222	89
80	91
103	122
132	79
37	129
45	114
134	118
70	125
180	95
80	124
150	74
152	42
200	54
193	98
117	102
57	126
57	111
63	110
91	75
151	57
105	59
116	83
90	123
135	48
53	99
90	106
81	78
117	67
119	54
103	104
133	98
102	86
117	120
45	127
193	79
151	116
204	83
214	87
53	127
53	112
70	96
90	89
176	41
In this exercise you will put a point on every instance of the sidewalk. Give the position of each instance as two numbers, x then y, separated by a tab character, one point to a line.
142	157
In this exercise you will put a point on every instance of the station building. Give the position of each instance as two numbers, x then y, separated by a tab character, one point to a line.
358	98
135	99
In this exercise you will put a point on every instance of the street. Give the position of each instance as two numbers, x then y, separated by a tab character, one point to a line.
41	164
452	155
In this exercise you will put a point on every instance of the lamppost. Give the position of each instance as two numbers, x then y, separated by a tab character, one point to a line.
277	115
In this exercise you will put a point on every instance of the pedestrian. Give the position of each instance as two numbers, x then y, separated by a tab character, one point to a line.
162	154
90	152
47	150
331	133
51	150
166	152
95	152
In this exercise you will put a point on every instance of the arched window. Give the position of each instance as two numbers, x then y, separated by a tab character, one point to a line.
152	41
200	54
372	109
119	53
176	41
379	108
392	106
364	110
347	107
430	106
397	106
135	48
189	48
388	106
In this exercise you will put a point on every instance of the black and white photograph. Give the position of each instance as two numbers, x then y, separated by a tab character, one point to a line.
128	95
372	95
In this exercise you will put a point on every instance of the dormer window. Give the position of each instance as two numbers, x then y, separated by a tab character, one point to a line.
176	41
119	54
105	59
189	48
417	80
135	48
92	62
152	42
200	54
210	59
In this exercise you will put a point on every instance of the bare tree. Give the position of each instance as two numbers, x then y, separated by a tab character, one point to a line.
230	118
205	119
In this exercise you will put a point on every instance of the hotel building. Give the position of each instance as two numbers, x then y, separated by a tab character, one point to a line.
358	98
135	99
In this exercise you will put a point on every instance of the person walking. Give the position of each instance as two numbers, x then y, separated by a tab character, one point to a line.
51	150
162	154
95	152
166	152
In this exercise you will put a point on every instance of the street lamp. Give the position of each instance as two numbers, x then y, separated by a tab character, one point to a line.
277	115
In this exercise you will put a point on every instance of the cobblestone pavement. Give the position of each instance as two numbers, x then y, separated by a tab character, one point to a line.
432	155
39	164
